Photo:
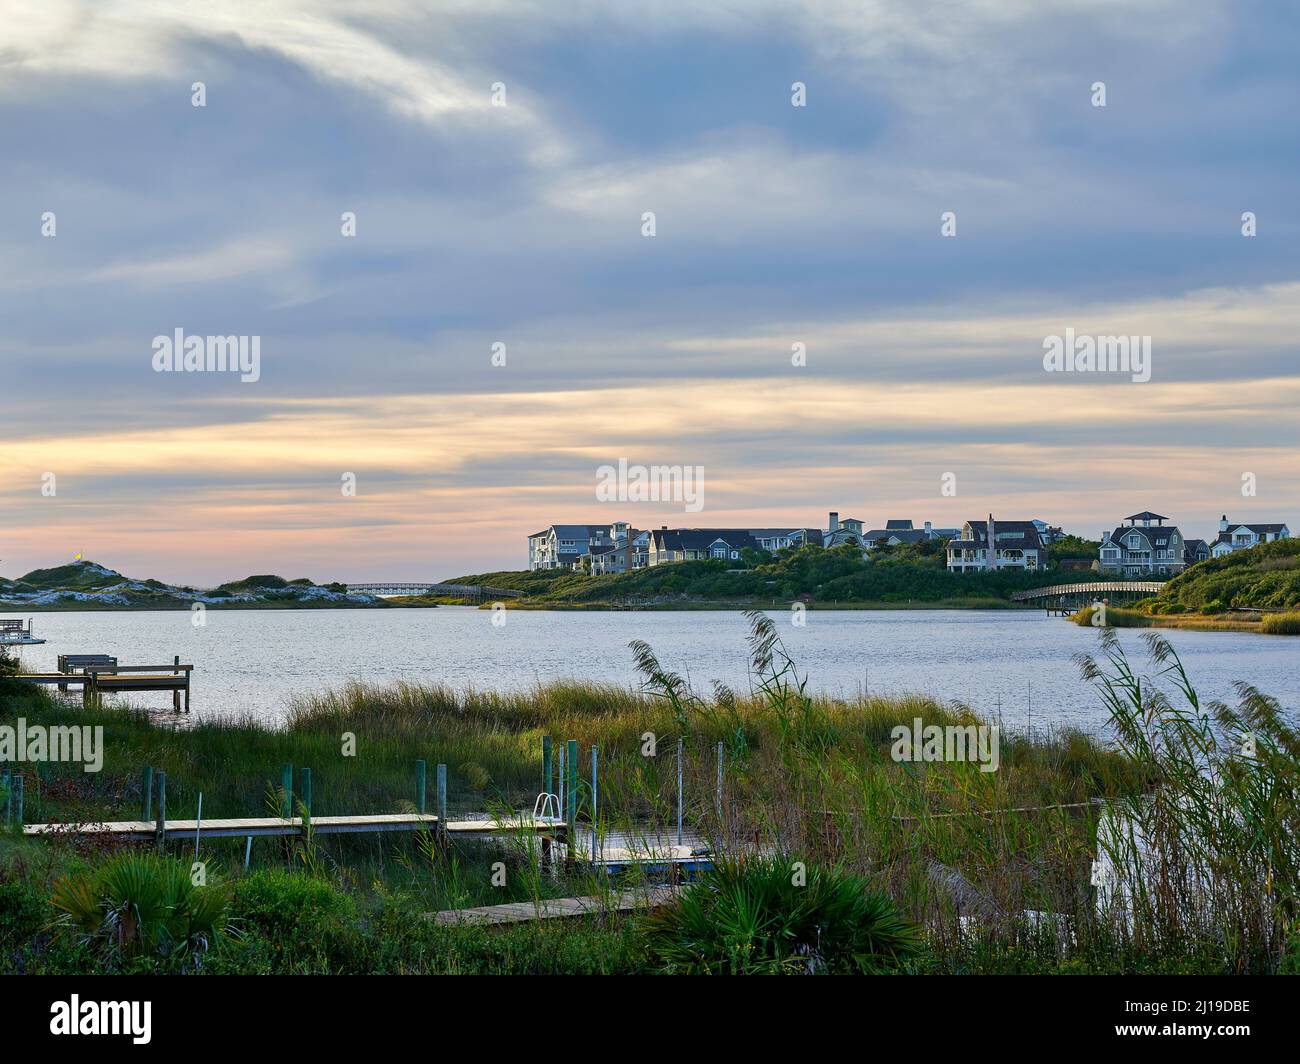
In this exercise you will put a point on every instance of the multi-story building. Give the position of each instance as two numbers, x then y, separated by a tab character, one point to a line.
1145	546
564	546
895	532
1195	550
990	545
1239	537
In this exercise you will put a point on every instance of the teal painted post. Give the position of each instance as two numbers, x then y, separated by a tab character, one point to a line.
719	796
420	786
571	765
9	795
146	792
546	764
160	827
442	802
286	790
593	804
306	793
19	783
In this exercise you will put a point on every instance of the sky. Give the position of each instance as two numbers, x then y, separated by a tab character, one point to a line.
499	158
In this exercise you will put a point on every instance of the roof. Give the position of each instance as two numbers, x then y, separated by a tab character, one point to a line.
1146	515
903	535
1257	529
1157	535
897	524
702	538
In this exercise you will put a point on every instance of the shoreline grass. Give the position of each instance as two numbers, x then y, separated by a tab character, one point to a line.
967	856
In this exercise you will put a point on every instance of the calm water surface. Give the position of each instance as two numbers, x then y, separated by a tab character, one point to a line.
253	662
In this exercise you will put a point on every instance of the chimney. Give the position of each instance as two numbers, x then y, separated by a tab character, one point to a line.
834	522
1223	523
928	528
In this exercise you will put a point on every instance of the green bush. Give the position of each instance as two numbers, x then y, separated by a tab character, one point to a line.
774	915
141	905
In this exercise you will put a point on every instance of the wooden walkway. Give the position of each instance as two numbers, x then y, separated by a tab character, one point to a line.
95	680
560	908
144	830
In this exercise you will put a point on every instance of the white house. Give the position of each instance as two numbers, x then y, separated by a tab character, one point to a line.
1239	537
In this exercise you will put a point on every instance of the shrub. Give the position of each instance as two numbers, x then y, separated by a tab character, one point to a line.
1280	623
142	905
758	917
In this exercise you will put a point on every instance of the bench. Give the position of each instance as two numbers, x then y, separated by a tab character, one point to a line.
78	663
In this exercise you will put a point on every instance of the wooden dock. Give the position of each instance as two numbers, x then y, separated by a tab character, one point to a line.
95	680
259	827
560	908
17	633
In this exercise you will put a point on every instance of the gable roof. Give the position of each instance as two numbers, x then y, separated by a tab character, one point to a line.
1146	515
896	525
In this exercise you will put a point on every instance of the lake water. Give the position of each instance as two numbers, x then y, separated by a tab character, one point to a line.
253	662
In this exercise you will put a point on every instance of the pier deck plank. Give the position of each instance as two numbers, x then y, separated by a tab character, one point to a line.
559	908
275	826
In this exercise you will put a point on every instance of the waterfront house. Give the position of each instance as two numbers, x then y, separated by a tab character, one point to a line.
564	546
1145	546
990	545
628	552
1239	537
668	545
896	531
1195	550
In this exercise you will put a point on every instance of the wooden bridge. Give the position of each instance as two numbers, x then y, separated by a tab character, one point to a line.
1065	598
395	588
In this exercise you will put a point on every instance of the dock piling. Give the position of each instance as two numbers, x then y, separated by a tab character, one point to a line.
9	797
160	828
306	797
18	784
719	794
146	792
593	803
286	790
571	762
442	802
679	792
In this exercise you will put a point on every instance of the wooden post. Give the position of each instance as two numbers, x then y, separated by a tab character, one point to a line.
9	795
160	828
719	797
146	792
593	803
306	796
546	764
679	792
176	692
571	761
420	787
286	789
561	779
18	782
442	802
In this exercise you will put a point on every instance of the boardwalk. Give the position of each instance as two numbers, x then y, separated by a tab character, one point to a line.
258	827
561	908
407	587
1090	590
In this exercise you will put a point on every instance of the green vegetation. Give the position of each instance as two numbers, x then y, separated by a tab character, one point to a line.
1266	575
994	870
86	585
903	575
1280	623
775	916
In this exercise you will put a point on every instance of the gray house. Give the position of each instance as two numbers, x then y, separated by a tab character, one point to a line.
1144	546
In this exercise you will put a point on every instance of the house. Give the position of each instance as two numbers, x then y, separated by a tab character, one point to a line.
564	546
989	545
1239	537
628	552
696	544
1195	550
895	532
1145	546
